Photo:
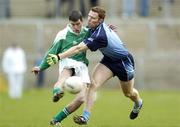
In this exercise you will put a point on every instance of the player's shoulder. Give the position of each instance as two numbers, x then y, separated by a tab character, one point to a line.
85	28
61	35
84	31
62	32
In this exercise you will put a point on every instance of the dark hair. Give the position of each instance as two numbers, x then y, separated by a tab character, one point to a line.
101	12
75	16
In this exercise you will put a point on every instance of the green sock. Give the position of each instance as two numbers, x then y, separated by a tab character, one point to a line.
56	90
61	115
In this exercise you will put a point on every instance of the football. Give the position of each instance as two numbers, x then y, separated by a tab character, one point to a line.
73	84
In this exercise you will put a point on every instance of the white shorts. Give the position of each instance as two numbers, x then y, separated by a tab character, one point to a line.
80	68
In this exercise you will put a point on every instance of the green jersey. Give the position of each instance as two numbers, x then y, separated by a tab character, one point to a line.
64	40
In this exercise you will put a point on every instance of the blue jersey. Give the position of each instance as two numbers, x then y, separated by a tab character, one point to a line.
107	41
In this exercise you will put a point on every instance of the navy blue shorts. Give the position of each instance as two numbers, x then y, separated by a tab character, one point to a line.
122	68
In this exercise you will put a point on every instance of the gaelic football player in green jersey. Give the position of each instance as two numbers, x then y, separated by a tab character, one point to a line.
72	35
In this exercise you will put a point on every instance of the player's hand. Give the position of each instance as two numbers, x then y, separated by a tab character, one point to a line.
35	70
52	59
112	27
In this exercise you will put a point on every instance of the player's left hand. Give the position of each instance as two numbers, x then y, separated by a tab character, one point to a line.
52	59
112	27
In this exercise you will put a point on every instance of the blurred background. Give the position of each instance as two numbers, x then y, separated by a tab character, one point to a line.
149	28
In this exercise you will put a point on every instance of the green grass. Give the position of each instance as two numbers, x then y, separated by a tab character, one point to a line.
35	109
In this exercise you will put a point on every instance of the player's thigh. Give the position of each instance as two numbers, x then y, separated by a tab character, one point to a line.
82	71
66	73
101	74
127	86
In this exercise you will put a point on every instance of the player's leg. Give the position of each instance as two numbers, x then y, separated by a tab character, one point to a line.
12	85
71	107
58	90
130	92
19	85
81	70
126	77
100	75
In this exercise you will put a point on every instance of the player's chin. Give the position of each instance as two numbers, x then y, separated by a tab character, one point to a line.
90	25
76	31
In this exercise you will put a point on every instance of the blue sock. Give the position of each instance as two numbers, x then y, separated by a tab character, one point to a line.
86	115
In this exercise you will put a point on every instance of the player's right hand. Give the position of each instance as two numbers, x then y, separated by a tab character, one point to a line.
35	70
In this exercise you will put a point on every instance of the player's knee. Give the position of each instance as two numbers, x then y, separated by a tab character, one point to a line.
94	85
128	94
81	99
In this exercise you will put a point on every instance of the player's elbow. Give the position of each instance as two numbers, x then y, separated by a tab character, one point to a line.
79	48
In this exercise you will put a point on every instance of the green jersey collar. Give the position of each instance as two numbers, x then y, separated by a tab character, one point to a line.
69	27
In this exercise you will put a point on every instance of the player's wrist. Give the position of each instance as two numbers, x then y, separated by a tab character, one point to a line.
58	57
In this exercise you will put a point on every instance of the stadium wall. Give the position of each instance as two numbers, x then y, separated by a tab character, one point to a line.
155	43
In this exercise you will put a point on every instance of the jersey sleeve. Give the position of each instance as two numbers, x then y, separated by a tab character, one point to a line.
97	39
54	49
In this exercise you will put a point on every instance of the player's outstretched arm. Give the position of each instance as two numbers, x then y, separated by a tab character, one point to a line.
53	58
54	49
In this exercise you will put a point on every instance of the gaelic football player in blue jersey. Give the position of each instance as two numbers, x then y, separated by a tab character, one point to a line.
117	61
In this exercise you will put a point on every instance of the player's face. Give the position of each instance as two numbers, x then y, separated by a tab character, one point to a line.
93	19
76	26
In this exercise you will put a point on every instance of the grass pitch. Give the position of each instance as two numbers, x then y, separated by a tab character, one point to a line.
35	109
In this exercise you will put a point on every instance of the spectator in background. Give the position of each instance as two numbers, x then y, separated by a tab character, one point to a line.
83	8
14	65
94	3
60	7
61	10
129	8
41	74
5	9
144	8
48	9
165	8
